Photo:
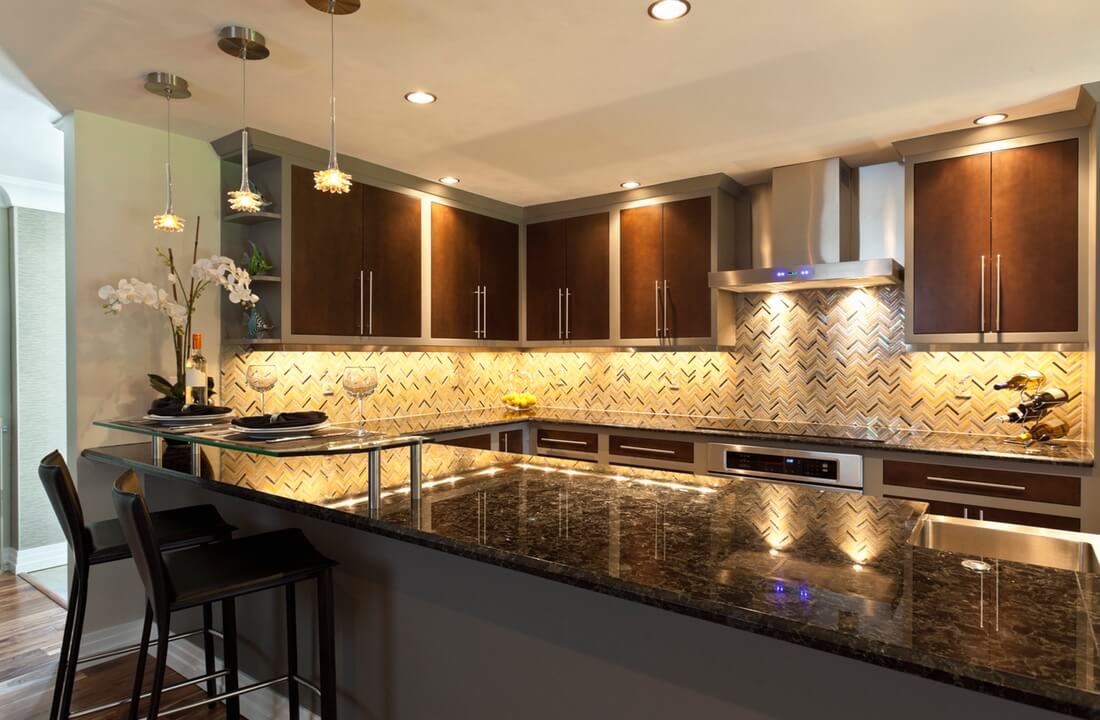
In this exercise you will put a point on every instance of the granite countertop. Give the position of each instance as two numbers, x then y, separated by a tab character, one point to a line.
827	570
869	437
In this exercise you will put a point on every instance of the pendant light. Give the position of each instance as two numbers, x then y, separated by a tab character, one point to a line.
332	179
170	87
247	44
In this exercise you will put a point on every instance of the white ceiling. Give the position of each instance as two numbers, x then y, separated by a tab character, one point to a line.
31	148
543	100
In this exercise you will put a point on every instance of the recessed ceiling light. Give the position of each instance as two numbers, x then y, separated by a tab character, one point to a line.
449	180
991	119
669	9
630	184
420	97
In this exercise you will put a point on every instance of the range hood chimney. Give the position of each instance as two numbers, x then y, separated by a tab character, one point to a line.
806	233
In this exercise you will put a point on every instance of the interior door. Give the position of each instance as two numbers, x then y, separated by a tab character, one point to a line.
499	273
326	239
454	272
951	207
587	276
686	247
1034	234
392	252
640	271
546	280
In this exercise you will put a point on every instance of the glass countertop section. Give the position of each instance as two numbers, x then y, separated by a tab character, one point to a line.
333	439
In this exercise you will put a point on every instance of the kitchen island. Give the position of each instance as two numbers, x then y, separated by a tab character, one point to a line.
822	571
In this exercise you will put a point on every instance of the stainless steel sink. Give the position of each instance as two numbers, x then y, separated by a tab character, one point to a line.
1016	543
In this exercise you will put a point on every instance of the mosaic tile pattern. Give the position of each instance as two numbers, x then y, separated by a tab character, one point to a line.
834	356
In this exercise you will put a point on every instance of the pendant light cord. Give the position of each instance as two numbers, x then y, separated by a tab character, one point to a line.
168	166
332	84
246	185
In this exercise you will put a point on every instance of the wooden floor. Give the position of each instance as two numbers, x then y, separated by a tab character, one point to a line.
31	626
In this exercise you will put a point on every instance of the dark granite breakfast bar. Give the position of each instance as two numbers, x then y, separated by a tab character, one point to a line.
823	570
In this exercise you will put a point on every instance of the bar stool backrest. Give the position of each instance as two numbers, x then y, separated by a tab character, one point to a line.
58	483
137	528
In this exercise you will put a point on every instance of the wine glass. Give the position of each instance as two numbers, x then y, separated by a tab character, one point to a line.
360	382
261	378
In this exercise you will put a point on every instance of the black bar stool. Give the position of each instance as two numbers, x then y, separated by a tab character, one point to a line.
222	572
102	542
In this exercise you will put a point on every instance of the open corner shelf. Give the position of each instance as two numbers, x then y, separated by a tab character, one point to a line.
251	218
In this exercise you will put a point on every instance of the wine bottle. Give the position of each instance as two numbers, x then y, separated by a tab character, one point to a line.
1048	397
1048	430
196	373
1022	381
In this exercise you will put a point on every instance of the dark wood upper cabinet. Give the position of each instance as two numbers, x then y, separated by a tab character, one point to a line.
474	257
1034	237
995	246
567	279
326	258
664	263
950	238
392	261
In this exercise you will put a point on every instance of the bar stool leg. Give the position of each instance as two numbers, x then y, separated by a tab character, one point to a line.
81	602
208	650
143	653
159	667
326	644
66	641
292	652
229	630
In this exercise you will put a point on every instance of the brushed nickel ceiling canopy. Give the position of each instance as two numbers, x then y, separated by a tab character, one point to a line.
335	7
242	42
167	85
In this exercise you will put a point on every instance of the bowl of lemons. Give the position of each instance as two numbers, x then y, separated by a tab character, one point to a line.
520	400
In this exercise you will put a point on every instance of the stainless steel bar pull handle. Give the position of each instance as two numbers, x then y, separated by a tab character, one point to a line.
559	313
977	483
639	448
657	307
361	302
567	313
981	293
997	295
562	441
484	311
664	308
370	304
477	311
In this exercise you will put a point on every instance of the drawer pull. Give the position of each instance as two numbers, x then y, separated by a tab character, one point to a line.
562	441
976	483
638	448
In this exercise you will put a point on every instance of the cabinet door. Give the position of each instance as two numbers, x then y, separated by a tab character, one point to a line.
588	266
479	441
454	272
1034	235
640	271
499	273
546	280
326	258
510	441
392	251
686	247
950	237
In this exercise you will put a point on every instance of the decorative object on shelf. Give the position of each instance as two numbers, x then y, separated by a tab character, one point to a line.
255	261
170	87
360	382
519	396
179	305
332	179
247	44
1034	407
261	378
257	327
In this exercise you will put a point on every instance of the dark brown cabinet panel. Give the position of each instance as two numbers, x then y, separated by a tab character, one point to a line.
1034	237
665	259
652	448
475	276
950	238
481	441
641	271
510	441
326	258
567	279
392	261
687	265
1057	489
568	440
1016	517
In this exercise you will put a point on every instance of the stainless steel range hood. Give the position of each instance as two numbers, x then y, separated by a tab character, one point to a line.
806	230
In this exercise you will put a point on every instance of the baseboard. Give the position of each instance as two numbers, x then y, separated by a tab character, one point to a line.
37	558
7	559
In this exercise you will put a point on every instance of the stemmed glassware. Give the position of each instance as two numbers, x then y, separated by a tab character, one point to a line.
261	378
360	382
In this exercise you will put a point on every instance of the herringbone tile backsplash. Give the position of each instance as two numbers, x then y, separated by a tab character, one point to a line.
834	356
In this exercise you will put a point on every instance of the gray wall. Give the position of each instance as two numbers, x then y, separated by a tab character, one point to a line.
38	324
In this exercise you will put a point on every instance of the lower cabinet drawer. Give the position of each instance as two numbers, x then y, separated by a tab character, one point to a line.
1016	517
567	440
652	448
483	441
1057	489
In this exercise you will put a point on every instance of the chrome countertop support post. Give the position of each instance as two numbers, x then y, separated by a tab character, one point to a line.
196	459
415	452
158	451
374	480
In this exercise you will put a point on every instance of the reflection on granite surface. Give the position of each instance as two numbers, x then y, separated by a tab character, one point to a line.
828	570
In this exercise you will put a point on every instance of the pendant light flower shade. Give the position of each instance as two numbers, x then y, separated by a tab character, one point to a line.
246	44
170	87
332	179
